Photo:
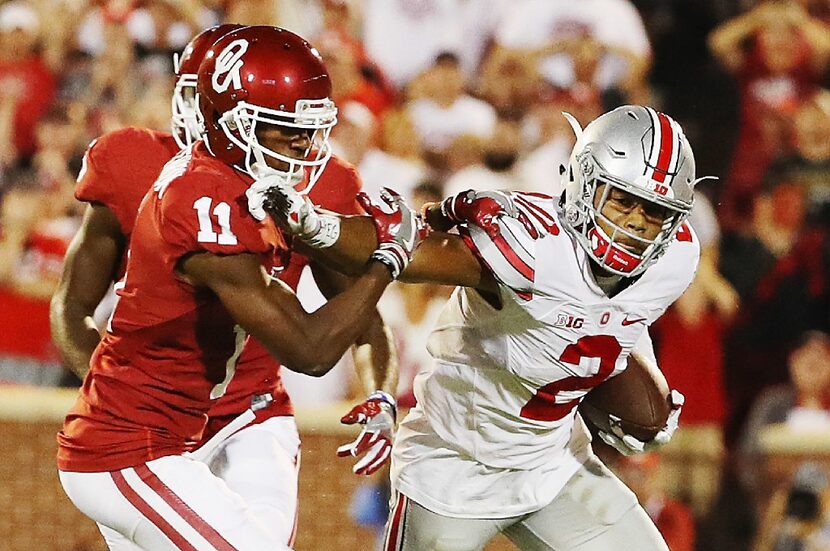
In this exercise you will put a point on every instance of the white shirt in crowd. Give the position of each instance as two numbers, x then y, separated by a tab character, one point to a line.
379	169
437	126
534	23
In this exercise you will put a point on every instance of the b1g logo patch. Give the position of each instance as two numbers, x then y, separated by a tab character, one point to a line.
569	321
229	66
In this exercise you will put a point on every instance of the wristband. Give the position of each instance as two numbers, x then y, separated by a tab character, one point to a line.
327	233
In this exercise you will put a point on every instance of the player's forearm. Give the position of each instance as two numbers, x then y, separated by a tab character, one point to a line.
313	343
350	253
74	334
375	358
441	258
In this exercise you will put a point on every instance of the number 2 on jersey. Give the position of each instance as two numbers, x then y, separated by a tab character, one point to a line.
222	212
543	406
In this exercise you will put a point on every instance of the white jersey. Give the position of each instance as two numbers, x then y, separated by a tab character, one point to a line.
498	411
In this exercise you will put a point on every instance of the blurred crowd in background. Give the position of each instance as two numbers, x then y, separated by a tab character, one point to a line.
439	96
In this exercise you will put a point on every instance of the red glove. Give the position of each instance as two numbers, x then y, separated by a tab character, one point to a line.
377	415
480	208
399	229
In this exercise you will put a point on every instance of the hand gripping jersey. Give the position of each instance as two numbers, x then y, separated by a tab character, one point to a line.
496	416
169	344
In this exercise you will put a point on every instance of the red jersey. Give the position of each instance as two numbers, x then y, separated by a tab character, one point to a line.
149	388
258	371
120	167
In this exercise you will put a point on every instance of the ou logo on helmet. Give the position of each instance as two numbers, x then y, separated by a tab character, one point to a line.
229	66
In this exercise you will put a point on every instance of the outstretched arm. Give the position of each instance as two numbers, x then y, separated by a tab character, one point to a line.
441	258
89	269
346	242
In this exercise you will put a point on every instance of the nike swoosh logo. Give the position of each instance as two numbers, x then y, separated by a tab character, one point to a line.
627	321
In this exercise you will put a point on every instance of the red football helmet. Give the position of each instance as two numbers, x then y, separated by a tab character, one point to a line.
257	76
186	128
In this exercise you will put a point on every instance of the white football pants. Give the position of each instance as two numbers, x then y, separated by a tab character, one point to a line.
255	494
170	503
261	463
593	512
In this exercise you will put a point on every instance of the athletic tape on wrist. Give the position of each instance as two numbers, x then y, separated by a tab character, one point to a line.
328	233
392	258
384	396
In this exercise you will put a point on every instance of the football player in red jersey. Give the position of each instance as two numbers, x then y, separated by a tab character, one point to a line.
113	182
494	443
194	284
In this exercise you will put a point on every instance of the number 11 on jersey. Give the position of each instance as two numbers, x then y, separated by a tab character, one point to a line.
222	212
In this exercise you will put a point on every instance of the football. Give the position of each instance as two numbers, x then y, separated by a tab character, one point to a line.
639	397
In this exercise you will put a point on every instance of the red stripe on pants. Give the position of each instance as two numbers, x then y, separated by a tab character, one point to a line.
395	524
149	513
179	506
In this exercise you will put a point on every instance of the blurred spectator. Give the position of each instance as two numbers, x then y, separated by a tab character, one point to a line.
601	43
509	81
354	133
798	518
353	76
111	77
26	84
778	54
252	12
404	36
35	230
145	25
150	106
802	404
396	161
61	142
780	271
689	339
546	126
443	111
641	473
584	55
809	164
495	169
303	17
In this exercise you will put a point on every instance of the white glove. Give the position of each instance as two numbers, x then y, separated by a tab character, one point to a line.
377	415
293	211
628	445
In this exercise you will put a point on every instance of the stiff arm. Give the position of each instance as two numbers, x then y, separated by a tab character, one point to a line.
441	257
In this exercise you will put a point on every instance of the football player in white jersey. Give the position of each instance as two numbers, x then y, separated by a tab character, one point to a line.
553	296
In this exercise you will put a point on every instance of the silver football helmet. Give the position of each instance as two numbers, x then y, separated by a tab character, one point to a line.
637	150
